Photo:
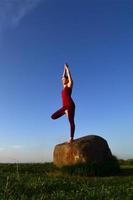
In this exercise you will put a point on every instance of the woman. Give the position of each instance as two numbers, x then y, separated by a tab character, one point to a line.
68	106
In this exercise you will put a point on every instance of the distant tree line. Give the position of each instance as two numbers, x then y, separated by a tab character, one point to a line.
125	162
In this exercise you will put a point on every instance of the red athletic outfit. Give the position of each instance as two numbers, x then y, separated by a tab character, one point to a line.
67	104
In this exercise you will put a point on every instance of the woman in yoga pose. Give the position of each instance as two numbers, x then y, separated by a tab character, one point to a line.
68	106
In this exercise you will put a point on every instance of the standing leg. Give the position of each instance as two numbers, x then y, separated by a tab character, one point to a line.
71	113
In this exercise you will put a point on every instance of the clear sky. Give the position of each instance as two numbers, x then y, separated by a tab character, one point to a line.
95	37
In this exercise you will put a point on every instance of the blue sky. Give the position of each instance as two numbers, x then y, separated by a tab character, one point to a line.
36	38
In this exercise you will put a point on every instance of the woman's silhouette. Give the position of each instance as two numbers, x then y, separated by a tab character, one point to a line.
68	106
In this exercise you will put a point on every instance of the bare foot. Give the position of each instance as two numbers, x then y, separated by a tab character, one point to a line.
69	141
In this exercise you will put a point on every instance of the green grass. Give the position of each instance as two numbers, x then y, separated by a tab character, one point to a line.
104	168
45	181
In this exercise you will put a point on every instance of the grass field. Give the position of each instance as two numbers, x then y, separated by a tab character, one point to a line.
45	181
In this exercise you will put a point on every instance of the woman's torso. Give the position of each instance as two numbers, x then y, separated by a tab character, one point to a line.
66	96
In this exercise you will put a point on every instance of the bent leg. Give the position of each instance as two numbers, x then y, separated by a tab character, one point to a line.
58	113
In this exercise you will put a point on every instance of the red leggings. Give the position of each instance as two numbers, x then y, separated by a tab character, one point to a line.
71	112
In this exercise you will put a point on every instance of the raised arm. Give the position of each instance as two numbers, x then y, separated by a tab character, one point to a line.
70	83
64	72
